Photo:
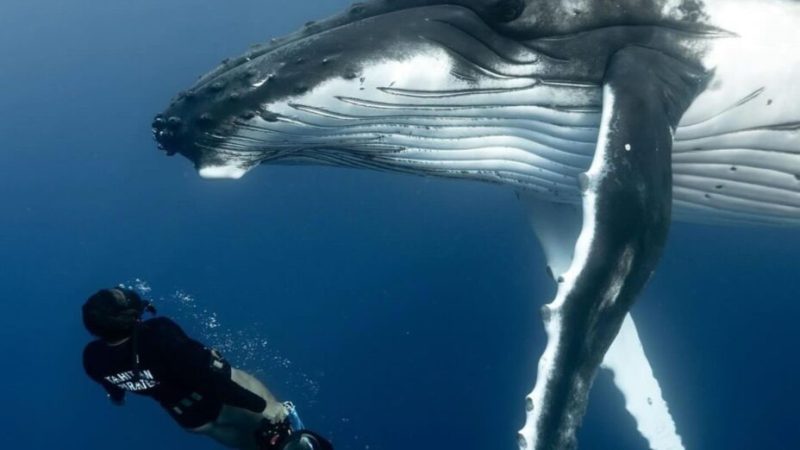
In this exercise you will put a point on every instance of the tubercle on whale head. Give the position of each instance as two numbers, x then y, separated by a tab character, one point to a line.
201	119
200	122
173	136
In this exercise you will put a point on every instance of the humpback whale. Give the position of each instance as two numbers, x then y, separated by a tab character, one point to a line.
608	118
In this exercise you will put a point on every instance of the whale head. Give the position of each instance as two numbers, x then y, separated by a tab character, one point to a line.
357	90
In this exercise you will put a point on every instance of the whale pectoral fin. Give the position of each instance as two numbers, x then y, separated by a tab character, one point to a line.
557	226
627	196
634	377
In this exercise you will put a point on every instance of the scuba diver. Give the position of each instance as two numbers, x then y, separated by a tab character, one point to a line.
193	383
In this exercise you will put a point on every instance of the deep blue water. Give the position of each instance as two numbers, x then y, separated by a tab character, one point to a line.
400	312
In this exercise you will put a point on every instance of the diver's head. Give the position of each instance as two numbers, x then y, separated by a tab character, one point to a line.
112	314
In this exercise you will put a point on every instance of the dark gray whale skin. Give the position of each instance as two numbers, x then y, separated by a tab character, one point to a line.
646	62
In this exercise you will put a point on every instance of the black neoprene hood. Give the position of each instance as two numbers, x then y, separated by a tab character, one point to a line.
111	317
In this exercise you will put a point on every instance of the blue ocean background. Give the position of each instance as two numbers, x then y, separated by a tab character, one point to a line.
397	312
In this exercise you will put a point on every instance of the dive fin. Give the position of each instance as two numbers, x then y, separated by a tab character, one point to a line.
306	440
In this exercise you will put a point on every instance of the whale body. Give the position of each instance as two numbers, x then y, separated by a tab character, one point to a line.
608	118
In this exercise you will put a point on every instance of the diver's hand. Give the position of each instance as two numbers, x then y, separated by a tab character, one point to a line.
117	400
275	412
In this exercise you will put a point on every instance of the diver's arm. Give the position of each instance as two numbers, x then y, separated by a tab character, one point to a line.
115	394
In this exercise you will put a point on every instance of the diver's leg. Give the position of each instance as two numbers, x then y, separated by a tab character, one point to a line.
227	435
251	383
237	427
234	428
275	411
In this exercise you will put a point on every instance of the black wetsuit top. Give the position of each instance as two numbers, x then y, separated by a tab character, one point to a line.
180	373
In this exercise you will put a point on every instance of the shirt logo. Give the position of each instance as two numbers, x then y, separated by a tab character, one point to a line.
126	380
